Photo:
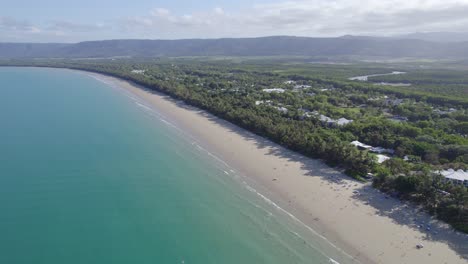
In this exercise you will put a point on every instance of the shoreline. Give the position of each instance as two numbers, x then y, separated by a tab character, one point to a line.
365	225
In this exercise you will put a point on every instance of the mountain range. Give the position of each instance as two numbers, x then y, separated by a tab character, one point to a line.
443	37
386	47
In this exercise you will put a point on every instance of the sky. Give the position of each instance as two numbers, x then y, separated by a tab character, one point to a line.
83	20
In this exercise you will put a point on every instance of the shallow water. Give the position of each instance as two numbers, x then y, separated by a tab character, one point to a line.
90	174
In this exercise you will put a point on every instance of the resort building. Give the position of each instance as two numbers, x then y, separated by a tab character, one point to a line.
334	122
298	87
343	121
442	112
381	158
268	102
282	109
378	150
361	145
457	177
274	90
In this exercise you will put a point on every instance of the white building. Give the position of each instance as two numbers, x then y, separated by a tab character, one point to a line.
298	87
334	122
274	90
381	158
441	112
282	109
458	177
361	145
378	150
382	150
326	119
268	102
343	121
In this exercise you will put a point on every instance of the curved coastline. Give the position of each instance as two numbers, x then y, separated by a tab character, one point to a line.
350	214
251	184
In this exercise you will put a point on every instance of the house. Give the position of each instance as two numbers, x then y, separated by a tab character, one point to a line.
306	113
268	102
381	158
298	87
360	145
457	177
378	150
138	71
274	90
290	82
334	122
326	119
442	112
382	150
282	109
343	121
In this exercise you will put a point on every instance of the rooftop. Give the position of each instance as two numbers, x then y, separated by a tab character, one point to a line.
340	122
381	158
371	148
459	175
302	86
360	144
274	90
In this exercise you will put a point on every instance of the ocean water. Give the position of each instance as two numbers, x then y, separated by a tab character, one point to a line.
89	174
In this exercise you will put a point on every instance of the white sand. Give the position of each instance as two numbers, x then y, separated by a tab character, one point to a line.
367	225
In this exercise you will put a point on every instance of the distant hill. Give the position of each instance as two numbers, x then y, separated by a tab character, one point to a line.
265	46
443	37
30	50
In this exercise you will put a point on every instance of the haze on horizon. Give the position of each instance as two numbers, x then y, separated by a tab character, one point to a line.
74	21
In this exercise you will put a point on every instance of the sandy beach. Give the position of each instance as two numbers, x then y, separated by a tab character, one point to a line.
352	215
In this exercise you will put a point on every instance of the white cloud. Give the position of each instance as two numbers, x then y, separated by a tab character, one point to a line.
160	12
55	30
11	24
219	11
289	17
312	18
67	26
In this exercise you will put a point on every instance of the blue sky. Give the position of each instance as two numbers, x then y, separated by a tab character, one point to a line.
73	21
83	10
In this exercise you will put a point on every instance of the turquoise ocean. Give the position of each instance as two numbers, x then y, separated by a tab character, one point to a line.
89	174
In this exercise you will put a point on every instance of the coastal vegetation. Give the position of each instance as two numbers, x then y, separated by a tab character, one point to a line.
405	135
